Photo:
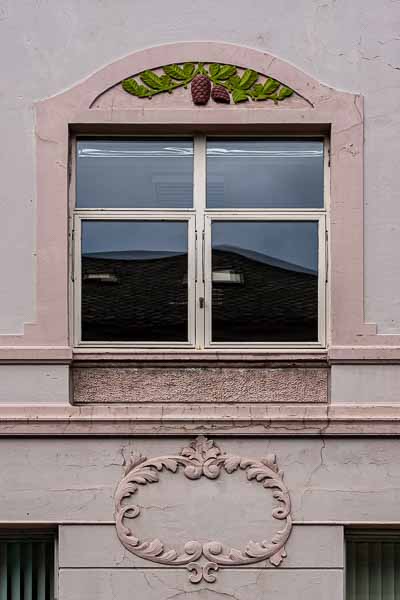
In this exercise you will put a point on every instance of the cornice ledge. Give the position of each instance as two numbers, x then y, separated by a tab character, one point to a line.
247	419
385	353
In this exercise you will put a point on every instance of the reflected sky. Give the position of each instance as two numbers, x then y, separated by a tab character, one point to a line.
124	173
134	237
295	243
257	173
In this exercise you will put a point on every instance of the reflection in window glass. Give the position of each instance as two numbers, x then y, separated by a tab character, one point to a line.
134	281
264	281
265	173
134	173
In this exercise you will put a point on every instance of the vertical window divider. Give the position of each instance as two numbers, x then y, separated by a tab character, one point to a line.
77	279
192	278
208	279
322	278
199	203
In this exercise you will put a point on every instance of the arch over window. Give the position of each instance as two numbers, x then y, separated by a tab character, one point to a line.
295	104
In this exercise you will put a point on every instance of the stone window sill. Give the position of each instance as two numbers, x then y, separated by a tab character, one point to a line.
200	357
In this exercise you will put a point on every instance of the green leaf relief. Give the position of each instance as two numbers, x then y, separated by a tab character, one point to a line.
270	86
214	70
175	72
239	95
234	81
188	69
242	87
257	91
248	79
133	87
284	92
151	79
226	71
166	82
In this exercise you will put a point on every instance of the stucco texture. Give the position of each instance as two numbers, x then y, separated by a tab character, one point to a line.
350	46
331	480
131	385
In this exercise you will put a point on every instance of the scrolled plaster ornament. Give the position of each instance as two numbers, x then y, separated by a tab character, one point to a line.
203	458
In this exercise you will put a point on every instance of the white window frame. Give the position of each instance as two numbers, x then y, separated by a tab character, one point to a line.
135	215
199	219
268	216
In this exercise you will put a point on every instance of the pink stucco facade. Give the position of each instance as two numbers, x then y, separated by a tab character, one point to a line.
74	419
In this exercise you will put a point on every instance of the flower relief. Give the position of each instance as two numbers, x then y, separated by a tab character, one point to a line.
202	458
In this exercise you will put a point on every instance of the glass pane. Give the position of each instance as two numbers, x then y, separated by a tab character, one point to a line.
134	281
264	281
265	173
134	173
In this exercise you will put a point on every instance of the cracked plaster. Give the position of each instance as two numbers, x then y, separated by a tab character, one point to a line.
329	480
233	584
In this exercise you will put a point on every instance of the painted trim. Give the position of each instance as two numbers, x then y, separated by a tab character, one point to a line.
131	216
318	216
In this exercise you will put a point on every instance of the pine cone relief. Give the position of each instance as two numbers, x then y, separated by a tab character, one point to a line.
220	94
201	89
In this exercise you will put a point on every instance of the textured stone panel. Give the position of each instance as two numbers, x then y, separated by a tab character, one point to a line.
97	546
168	584
231	385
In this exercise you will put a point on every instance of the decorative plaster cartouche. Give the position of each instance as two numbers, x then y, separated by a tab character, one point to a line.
203	458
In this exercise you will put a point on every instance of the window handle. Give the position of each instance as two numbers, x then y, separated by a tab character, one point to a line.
201	302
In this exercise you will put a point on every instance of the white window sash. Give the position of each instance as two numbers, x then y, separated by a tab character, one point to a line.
199	220
136	215
270	217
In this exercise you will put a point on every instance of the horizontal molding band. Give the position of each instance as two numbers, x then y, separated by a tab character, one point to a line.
334	355
244	419
74	522
35	354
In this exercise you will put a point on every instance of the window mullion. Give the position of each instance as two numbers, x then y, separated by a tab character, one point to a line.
199	203
322	278
77	274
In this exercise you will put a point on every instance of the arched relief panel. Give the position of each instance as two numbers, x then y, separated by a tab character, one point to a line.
100	103
197	83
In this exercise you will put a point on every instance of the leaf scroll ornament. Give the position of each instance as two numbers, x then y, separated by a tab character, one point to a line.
202	458
242	84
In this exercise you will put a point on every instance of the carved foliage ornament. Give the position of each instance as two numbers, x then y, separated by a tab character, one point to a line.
203	458
218	81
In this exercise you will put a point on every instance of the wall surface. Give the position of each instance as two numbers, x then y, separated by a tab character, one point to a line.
350	46
61	457
332	483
